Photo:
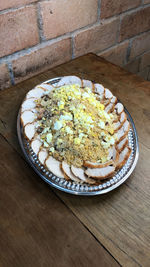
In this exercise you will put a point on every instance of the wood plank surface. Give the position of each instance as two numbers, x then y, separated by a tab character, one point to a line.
120	220
36	228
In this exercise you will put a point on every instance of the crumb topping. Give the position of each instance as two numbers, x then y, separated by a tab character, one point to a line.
73	125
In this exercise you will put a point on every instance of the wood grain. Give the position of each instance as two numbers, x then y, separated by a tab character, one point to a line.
36	229
120	220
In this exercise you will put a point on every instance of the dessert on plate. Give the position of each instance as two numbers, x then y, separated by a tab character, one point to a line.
77	129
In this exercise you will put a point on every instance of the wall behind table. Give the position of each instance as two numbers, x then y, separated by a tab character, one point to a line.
38	35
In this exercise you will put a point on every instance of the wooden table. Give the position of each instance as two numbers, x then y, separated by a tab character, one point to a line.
41	226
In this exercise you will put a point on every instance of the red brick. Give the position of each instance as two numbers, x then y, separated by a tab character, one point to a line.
135	23
41	59
4	76
112	7
60	17
117	54
18	30
144	73
140	44
145	60
97	38
133	66
4	4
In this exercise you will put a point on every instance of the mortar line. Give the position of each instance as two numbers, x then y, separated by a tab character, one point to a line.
44	43
13	9
99	10
11	74
40	23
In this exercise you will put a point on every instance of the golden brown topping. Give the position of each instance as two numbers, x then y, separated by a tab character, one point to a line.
74	126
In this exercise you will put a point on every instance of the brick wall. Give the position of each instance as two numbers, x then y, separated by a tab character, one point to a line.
36	35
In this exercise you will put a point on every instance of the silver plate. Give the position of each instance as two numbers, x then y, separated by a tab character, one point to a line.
71	187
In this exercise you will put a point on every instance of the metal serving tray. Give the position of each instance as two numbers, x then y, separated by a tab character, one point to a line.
82	189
